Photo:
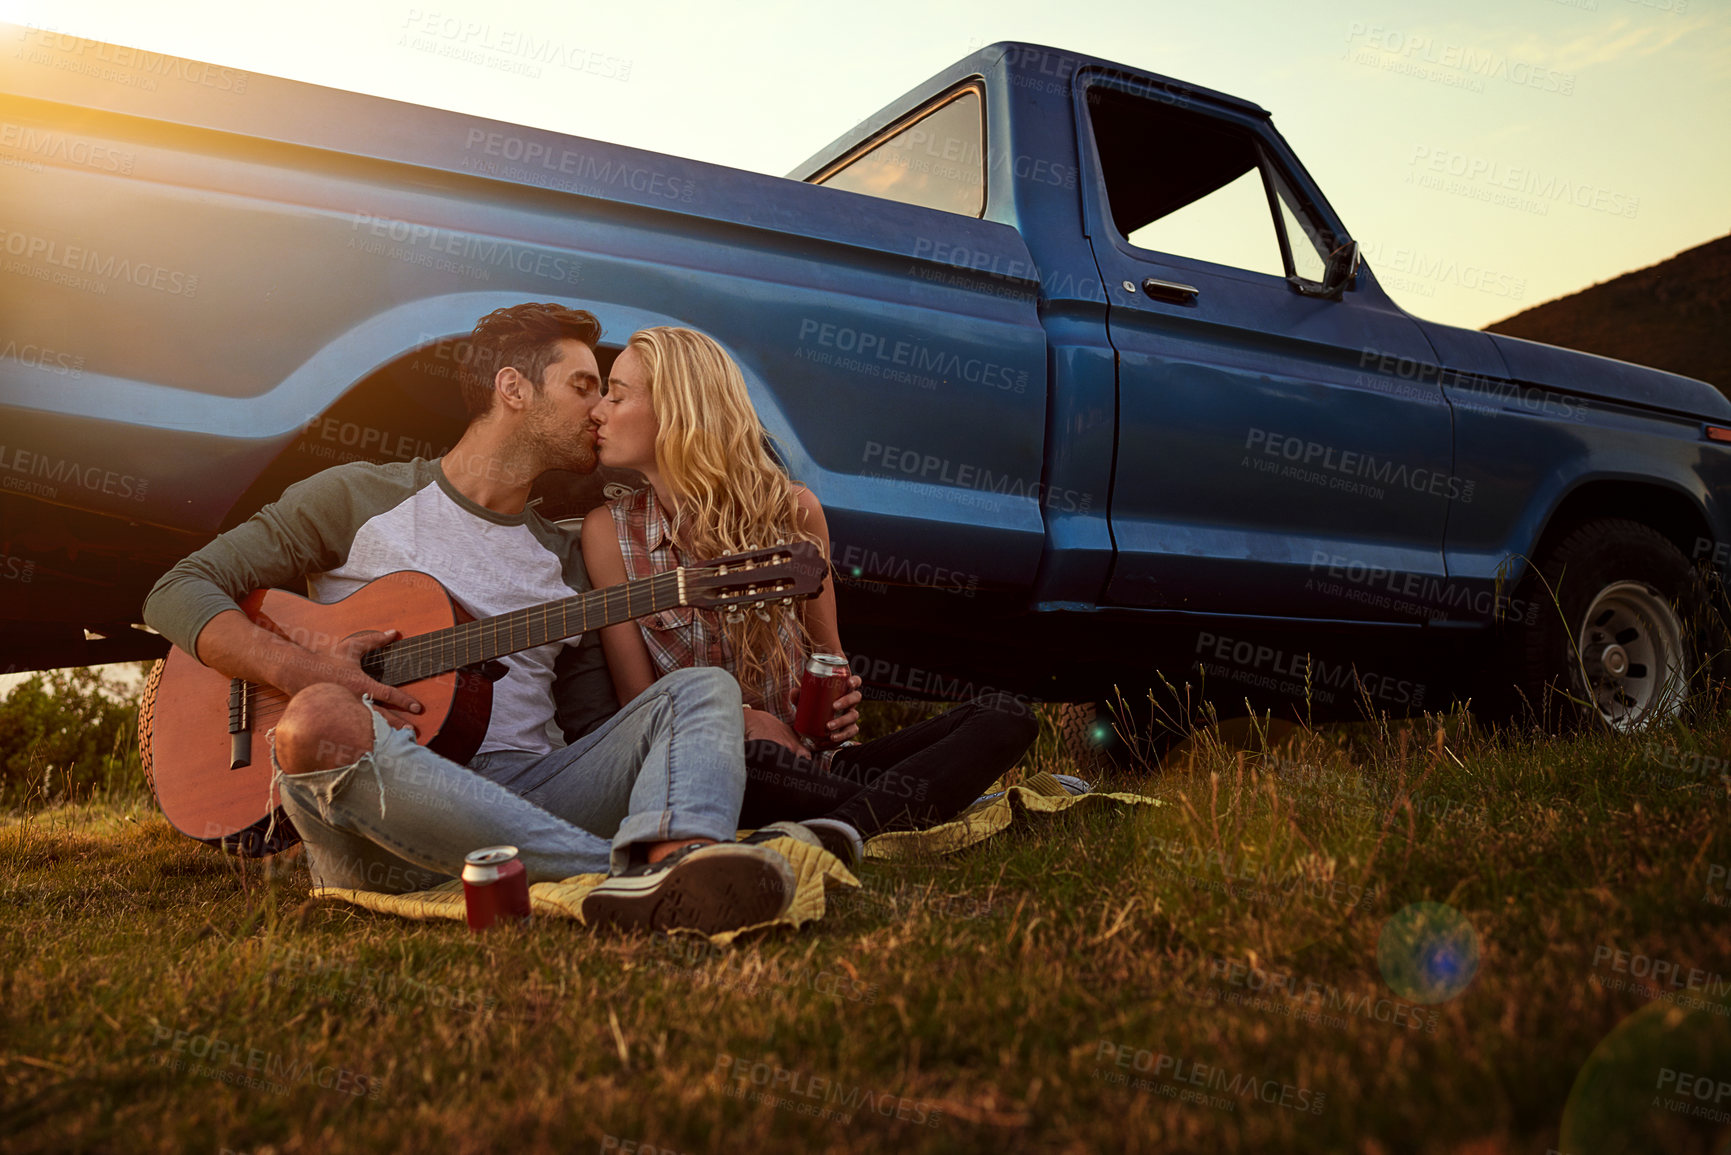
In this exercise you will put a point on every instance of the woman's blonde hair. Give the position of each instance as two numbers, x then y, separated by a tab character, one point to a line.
713	452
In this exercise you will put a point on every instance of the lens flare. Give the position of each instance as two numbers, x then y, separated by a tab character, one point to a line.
1428	952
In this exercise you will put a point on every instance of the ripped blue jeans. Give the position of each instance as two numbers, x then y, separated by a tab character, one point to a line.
669	765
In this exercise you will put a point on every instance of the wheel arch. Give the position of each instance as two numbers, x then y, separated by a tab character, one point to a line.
1670	510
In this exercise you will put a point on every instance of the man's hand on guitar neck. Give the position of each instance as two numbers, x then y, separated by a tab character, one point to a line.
231	644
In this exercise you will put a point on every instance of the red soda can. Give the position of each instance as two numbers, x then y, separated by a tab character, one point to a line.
825	679
495	886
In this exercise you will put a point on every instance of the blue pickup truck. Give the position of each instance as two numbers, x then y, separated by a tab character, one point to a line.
1086	370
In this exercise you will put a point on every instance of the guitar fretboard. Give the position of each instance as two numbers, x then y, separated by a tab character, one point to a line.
484	639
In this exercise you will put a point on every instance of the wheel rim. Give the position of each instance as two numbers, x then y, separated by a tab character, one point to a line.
1631	651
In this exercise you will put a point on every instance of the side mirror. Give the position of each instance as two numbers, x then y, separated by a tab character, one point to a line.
1337	275
1342	269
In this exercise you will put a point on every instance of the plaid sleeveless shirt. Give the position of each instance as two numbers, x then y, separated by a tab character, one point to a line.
688	636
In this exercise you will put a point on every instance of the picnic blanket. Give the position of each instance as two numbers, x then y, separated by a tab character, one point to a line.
815	869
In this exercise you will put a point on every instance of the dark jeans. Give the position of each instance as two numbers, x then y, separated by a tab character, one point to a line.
915	778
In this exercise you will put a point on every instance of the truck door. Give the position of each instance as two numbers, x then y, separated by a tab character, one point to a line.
1278	453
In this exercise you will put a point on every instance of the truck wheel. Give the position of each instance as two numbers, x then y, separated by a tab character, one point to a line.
1093	737
1619	628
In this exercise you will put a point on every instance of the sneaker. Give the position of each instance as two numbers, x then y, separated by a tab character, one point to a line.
840	839
707	887
794	830
1073	784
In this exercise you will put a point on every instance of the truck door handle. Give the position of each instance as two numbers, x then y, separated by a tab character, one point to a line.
1172	291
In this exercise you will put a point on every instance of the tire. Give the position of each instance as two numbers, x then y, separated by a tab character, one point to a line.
1100	738
1619	630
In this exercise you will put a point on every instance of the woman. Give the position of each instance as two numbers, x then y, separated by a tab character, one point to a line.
675	407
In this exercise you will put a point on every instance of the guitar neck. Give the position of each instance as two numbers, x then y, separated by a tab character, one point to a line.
471	643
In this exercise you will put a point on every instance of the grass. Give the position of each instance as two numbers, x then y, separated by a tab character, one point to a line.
1256	954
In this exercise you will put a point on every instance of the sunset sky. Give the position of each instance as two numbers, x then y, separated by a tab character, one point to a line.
1435	129
1488	154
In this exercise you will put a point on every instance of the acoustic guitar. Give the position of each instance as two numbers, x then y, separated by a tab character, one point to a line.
203	734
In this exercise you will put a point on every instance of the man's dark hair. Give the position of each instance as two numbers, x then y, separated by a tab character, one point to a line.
525	337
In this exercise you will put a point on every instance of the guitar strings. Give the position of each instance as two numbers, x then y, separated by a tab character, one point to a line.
440	643
443	644
406	654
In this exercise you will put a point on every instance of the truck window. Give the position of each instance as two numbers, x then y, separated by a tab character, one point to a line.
936	159
1183	183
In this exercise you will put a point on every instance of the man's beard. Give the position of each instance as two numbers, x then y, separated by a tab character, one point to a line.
560	449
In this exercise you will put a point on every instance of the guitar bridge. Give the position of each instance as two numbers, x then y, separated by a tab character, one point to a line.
239	725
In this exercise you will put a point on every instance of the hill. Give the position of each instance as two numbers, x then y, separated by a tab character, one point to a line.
1675	315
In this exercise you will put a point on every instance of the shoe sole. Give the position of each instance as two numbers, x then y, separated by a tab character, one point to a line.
711	892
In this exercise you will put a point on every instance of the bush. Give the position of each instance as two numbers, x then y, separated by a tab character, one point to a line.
69	734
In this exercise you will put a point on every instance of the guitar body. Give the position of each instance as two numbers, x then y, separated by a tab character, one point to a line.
184	721
203	735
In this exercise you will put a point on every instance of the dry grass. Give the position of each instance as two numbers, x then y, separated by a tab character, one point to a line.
1223	950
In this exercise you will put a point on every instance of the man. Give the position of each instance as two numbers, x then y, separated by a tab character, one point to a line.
652	794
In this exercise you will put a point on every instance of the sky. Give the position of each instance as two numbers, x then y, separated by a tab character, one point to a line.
1488	155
